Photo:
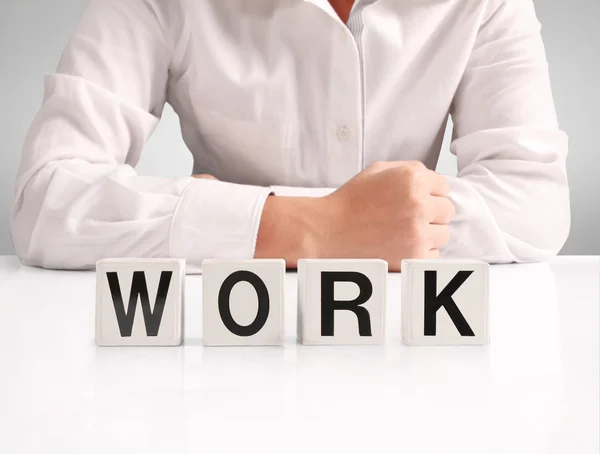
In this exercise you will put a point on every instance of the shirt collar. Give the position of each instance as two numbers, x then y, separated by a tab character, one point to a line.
324	5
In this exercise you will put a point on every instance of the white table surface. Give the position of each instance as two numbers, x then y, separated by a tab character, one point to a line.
534	389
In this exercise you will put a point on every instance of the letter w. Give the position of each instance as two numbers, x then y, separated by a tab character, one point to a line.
139	288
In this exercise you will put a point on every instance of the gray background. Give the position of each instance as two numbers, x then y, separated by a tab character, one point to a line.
33	33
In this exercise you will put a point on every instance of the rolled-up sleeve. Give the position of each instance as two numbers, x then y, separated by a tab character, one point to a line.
511	192
78	198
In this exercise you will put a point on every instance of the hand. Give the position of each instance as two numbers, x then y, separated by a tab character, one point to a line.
391	210
204	176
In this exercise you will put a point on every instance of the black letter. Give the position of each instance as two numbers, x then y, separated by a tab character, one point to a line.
329	304
263	303
138	287
433	303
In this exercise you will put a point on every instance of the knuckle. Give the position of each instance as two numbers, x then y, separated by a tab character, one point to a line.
413	175
451	210
416	166
378	165
447	211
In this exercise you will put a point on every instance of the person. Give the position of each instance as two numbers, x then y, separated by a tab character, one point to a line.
314	126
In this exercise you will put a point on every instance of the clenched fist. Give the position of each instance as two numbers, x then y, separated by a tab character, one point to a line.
391	210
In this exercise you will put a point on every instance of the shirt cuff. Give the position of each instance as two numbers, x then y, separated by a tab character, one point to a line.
474	233
216	219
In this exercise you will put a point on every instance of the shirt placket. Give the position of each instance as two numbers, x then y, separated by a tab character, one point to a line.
356	27
347	99
344	129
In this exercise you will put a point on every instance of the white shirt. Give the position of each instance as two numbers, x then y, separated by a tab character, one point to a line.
282	96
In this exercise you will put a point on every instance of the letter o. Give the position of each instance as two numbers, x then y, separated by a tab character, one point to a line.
263	303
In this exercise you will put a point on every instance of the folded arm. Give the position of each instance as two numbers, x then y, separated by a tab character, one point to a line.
78	198
511	192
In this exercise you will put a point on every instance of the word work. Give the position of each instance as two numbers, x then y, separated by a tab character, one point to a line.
339	302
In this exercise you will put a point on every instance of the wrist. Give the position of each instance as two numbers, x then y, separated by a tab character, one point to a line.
290	228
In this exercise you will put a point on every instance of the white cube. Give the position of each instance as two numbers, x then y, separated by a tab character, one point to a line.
445	302
243	302
139	302
341	301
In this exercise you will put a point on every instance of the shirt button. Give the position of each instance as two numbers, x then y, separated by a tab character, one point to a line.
344	133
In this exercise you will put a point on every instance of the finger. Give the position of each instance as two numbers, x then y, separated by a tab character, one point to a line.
204	176
438	184
437	236
441	210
